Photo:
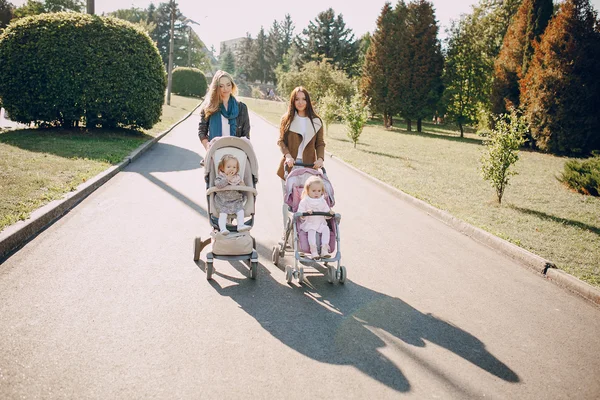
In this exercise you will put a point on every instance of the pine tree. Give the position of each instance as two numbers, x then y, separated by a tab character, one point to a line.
561	90
513	61
262	56
246	59
228	62
327	38
377	74
426	63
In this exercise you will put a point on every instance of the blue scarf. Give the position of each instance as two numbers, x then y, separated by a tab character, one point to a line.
214	123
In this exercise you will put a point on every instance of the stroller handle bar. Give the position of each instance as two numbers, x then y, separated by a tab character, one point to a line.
299	164
316	213
239	188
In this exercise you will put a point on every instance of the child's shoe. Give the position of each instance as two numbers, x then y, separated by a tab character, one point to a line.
325	251
224	232
243	228
313	253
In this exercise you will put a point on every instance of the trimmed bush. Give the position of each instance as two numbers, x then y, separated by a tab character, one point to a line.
65	68
189	82
583	176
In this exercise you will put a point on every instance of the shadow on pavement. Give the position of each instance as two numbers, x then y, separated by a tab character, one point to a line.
350	325
337	324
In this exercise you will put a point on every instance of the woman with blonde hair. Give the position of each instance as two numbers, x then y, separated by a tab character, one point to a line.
221	114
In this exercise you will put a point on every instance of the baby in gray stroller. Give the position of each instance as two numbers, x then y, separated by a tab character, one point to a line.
231	174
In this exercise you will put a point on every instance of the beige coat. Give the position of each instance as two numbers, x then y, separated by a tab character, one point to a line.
289	142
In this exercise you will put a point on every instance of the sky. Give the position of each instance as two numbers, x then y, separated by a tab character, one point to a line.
220	21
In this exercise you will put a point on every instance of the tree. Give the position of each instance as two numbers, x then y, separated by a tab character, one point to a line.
318	78
6	13
275	46
33	7
378	72
245	60
561	91
355	115
263	54
328	38
330	108
502	151
425	64
487	25
227	62
464	75
517	49
162	34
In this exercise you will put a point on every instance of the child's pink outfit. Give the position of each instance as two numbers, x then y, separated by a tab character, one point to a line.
315	224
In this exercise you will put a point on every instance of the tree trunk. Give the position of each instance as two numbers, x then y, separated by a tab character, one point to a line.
408	125
419	121
461	129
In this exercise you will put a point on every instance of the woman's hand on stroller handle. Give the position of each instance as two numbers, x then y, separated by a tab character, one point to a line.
317	165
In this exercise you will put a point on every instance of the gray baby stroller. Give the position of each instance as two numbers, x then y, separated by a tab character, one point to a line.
298	239
236	245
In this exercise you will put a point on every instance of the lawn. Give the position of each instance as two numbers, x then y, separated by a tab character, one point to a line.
537	213
41	165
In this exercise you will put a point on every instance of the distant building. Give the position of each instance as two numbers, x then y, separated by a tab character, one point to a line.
233	44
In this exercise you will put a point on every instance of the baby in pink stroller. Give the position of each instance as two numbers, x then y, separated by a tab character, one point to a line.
315	227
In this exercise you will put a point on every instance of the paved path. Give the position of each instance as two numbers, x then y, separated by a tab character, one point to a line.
108	303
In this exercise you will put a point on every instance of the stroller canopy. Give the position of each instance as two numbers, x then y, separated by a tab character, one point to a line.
239	147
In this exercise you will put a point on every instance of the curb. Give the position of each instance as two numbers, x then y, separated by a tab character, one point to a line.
15	236
532	261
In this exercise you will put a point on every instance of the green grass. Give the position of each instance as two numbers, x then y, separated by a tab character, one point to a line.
537	213
41	165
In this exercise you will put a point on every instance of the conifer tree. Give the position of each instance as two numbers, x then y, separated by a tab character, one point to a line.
425	63
512	62
263	54
561	90
327	38
377	73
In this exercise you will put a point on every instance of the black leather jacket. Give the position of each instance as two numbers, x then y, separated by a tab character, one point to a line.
242	127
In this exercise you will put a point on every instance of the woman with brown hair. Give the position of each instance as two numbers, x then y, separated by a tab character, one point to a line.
300	133
300	136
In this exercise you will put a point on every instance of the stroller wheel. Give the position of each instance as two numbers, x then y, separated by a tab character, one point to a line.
331	274
281	249
197	248
253	269
289	273
342	274
275	255
300	274
209	270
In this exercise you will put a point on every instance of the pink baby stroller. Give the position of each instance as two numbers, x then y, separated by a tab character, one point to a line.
294	183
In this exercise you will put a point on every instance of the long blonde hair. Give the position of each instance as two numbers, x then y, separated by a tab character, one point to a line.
311	181
212	100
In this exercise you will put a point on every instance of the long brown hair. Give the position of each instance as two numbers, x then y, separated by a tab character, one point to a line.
212	100
288	117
